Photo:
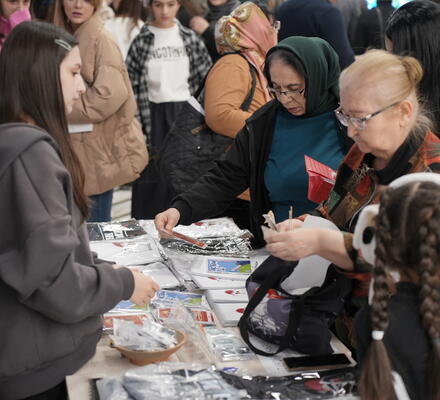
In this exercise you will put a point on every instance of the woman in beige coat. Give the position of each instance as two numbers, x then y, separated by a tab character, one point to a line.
104	132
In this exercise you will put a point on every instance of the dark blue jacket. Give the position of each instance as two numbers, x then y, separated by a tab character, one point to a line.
315	18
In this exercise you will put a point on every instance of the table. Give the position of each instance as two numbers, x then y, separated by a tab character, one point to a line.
108	361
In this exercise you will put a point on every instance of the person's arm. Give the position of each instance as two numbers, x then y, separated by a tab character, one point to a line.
333	30
108	90
226	87
299	243
40	266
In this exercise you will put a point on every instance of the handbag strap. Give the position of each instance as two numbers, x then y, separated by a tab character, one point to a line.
248	100
292	325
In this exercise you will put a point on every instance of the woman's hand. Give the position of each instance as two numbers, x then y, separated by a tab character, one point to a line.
294	244
167	219
289	225
144	289
199	24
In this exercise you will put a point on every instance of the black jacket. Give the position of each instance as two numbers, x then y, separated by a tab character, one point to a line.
316	18
242	167
370	29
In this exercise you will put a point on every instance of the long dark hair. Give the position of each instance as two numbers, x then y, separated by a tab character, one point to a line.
133	9
414	30
407	240
30	88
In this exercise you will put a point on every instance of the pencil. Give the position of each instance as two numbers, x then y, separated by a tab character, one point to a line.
290	217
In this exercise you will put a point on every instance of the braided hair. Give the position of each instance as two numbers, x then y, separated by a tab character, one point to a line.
408	240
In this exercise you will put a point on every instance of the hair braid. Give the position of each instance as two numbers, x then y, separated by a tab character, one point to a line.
376	380
428	269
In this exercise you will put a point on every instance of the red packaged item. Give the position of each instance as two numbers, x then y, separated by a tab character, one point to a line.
321	180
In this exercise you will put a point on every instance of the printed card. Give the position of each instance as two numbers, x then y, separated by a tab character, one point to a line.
214	282
172	298
229	313
205	317
227	296
228	268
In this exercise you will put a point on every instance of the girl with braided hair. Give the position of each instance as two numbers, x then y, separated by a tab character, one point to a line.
398	335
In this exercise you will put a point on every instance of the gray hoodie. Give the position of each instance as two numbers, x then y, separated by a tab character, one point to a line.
52	288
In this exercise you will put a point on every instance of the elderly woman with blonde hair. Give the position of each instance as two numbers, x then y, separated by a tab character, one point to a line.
393	137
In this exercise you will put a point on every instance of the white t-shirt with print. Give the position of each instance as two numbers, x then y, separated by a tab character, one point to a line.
168	67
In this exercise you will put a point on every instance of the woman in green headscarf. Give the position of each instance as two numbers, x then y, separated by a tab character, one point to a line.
268	154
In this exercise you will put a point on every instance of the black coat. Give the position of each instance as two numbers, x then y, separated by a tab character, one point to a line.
316	18
370	30
242	167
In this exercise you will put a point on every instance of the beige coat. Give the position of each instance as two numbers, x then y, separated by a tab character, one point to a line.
114	153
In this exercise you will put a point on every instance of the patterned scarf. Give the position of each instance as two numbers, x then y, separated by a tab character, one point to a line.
248	31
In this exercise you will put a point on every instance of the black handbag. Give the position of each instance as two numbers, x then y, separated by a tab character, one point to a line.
299	322
191	147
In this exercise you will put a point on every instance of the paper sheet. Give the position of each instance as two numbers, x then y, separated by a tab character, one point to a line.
310	271
77	128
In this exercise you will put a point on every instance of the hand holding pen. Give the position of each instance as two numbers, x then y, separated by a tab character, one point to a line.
289	224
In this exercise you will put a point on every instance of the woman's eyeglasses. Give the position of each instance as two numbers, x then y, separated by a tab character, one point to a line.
359	122
276	25
296	93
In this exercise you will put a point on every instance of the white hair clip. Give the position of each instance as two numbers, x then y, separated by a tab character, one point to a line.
63	44
377	335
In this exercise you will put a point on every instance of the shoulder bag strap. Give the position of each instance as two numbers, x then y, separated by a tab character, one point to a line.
248	100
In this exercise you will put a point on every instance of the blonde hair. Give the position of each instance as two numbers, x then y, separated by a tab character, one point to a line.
59	16
394	79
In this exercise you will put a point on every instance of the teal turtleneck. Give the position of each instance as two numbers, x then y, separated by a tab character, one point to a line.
285	175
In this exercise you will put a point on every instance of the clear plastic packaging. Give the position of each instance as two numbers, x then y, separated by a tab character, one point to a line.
139	250
221	245
112	389
339	383
196	348
178	381
149	336
169	381
185	381
227	346
214	227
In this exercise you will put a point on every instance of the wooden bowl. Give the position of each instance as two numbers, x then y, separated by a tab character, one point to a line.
144	357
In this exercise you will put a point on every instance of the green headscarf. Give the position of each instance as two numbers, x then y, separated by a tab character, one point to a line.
321	64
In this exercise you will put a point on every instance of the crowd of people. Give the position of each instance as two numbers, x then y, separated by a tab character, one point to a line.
90	89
